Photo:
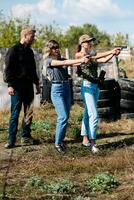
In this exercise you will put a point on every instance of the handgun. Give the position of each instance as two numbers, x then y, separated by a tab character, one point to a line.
121	47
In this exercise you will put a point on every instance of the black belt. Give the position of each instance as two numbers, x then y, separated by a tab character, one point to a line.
60	82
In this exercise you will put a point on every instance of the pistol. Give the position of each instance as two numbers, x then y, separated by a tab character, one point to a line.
121	46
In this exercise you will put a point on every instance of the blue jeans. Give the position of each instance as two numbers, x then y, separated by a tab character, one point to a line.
90	94
24	95
61	98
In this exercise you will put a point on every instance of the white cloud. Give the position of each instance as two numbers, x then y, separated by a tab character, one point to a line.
69	12
21	10
46	7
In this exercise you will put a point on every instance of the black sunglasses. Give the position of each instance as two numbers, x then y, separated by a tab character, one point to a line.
55	47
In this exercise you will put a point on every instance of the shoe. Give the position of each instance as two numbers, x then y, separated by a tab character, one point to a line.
9	146
29	141
88	144
94	149
60	149
63	146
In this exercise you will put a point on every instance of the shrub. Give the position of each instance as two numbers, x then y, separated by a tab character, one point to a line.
78	118
103	182
75	132
64	186
39	125
36	182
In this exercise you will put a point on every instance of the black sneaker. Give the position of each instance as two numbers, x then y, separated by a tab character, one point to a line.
29	141
63	146
9	146
60	149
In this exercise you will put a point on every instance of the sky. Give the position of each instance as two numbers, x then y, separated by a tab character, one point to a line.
110	16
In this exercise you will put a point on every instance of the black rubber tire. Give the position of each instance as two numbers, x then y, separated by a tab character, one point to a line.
106	113
104	94
77	82
127	104
77	97
127	95
103	103
46	90
127	116
106	110
76	89
108	84
126	84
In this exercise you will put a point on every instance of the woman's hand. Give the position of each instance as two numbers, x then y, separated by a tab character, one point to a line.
85	59
116	51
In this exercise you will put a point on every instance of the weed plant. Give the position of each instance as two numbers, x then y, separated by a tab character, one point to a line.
63	186
37	183
103	182
41	124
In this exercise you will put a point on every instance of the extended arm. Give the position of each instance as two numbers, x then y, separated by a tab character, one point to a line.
69	62
107	53
108	57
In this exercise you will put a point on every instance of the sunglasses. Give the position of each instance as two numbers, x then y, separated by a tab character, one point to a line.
55	47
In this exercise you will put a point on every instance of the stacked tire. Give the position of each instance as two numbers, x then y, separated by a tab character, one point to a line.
127	97
77	90
109	100
46	90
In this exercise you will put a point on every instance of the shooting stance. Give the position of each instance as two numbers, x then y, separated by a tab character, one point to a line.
90	87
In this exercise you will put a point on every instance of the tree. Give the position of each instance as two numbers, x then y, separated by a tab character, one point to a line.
120	39
10	30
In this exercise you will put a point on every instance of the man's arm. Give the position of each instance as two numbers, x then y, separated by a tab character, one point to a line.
9	72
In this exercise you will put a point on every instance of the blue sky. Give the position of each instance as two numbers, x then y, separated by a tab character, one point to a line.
111	16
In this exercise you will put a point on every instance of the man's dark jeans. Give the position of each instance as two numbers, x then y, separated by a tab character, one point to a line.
24	95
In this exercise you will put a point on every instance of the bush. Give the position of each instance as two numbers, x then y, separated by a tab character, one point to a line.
39	125
75	132
103	182
64	186
36	182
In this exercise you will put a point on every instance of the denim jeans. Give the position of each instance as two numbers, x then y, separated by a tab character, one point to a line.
61	98
24	95
90	94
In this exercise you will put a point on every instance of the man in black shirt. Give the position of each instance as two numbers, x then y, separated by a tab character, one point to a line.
20	74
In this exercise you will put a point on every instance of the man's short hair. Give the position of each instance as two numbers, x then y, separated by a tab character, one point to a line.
27	30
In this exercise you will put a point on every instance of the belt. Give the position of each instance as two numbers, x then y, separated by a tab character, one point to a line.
60	82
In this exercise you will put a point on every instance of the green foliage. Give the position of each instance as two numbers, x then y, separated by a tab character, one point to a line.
82	198
10	30
78	118
103	182
120	39
39	125
48	32
75	132
64	186
10	33
36	182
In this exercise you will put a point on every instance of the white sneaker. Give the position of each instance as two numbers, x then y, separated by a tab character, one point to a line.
95	149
